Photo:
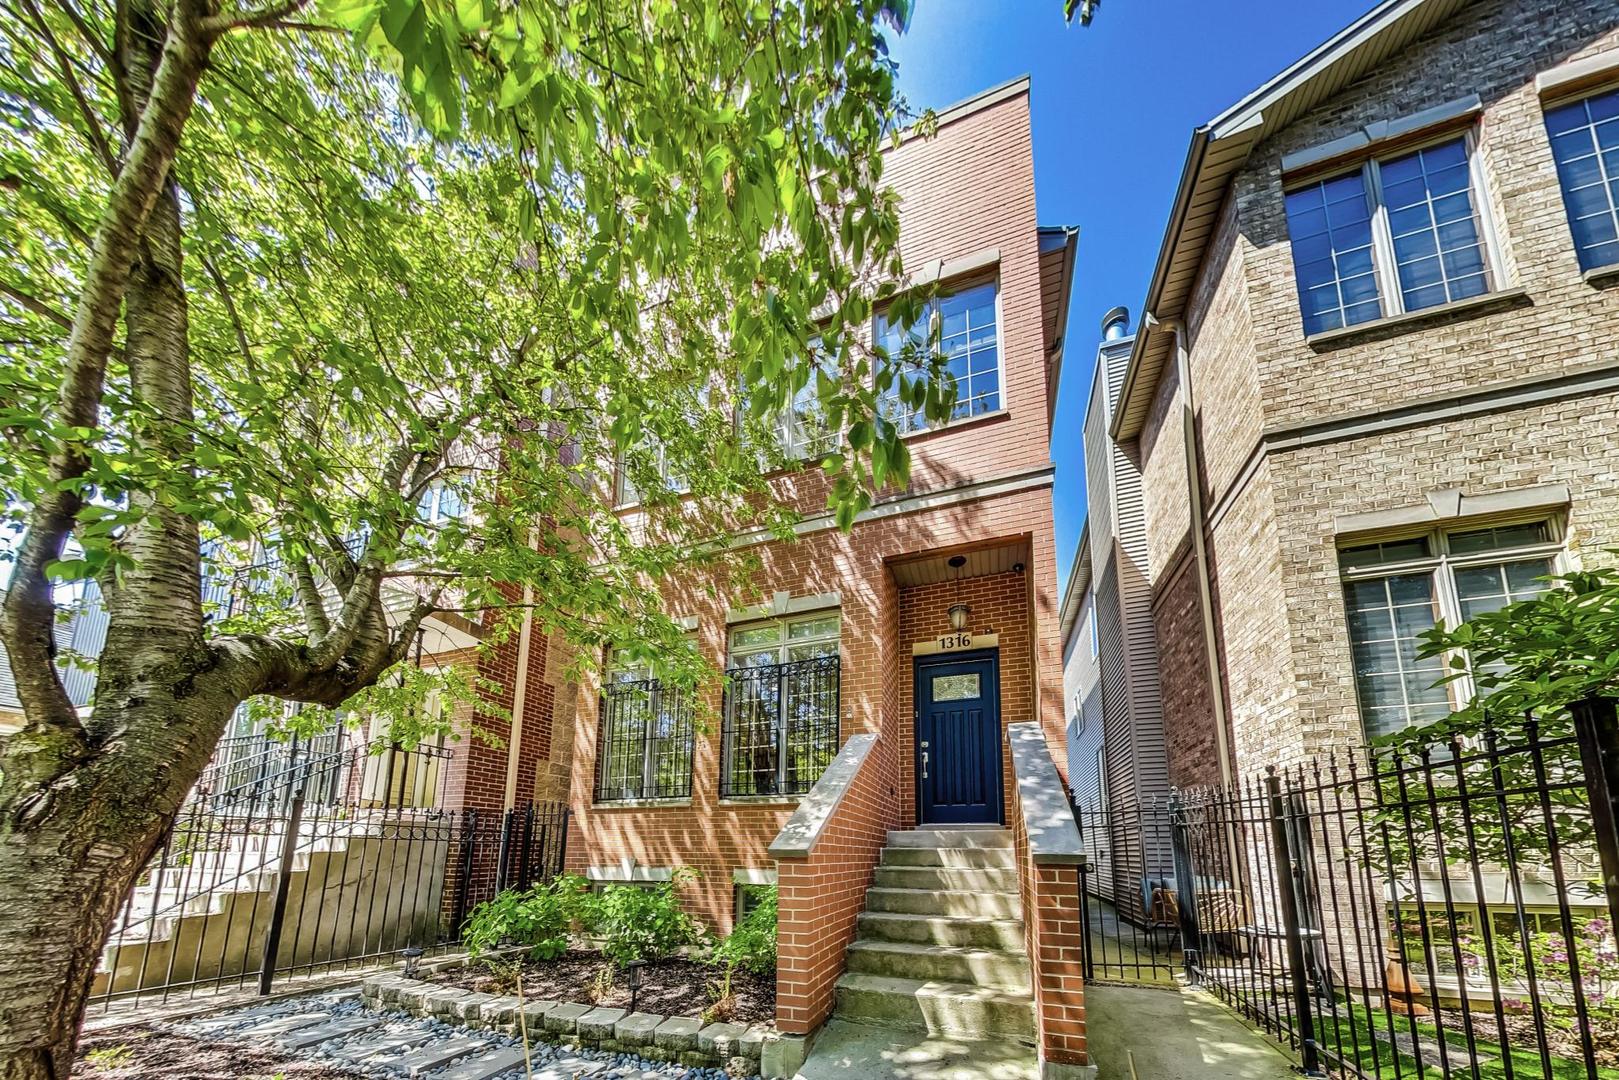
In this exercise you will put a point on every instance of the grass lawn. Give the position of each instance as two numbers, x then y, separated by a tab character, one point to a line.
1376	1057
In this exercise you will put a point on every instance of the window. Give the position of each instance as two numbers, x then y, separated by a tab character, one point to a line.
804	432
961	326
645	738
1395	590
781	707
1585	144
1400	234
1096	641
440	503
956	687
668	473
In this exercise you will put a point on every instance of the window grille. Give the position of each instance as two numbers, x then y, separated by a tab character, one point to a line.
644	742
780	728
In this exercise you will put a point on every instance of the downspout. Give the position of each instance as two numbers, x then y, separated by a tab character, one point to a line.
1200	548
514	744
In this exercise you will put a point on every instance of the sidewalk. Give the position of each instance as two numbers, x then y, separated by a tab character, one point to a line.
1175	1034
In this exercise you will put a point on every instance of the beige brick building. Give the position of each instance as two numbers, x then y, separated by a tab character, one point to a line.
1381	341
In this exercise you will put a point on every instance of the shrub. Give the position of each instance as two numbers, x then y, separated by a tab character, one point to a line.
751	944
637	923
537	918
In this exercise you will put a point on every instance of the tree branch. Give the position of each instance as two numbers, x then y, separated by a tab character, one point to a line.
303	577
98	138
37	306
235	316
241	20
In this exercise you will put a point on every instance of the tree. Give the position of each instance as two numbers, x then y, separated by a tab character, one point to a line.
281	272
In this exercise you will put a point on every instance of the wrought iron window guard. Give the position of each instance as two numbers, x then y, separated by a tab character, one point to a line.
644	742
781	727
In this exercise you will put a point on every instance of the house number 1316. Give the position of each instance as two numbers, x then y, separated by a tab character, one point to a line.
959	640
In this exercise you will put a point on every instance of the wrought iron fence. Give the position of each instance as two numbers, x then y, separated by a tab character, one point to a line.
644	742
336	861
1449	913
780	728
1127	893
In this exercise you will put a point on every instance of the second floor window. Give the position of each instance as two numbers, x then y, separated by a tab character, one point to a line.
804	431
1400	234
1395	590
1585	145
668	473
963	327
645	737
781	707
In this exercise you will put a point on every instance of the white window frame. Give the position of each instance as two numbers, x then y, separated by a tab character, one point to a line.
784	643
623	495
1385	267
960	285
1441	565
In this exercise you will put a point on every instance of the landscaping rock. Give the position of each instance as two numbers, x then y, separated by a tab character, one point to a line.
678	1033
597	1024
469	1007
534	1013
751	1045
564	1019
441	1002
500	1012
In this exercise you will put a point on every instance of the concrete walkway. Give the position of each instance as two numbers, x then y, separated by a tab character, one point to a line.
844	1051
1175	1035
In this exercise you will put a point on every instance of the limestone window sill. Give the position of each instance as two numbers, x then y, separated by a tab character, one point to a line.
1600	277
956	424
787	802
639	804
1412	321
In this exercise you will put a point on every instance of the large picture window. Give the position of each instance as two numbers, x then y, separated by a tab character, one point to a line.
1395	590
1399	234
1585	144
963	327
644	742
804	432
781	706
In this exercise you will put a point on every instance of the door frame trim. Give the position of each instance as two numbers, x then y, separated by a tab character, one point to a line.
918	663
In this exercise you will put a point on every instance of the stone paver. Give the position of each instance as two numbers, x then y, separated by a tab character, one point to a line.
564	1019
721	1039
598	1023
485	1065
337	1029
637	1026
435	1054
282	1024
570	1069
678	1033
383	1045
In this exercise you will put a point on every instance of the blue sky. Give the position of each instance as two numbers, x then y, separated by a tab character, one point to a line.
1114	105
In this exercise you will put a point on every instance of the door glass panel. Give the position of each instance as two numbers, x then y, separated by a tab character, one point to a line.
955	687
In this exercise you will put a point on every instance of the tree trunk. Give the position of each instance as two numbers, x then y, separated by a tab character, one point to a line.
66	871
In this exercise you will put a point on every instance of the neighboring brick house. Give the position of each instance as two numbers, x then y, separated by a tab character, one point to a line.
1385	310
827	647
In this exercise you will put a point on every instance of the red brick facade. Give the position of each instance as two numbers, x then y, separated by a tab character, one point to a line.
1052	937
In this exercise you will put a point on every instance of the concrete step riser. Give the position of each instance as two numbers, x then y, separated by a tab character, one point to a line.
936	1015
932	902
940	931
973	858
950	838
978	968
956	879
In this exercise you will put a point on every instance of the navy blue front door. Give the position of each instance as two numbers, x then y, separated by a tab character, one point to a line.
958	740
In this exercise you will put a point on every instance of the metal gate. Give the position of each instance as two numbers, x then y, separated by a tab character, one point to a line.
1127	893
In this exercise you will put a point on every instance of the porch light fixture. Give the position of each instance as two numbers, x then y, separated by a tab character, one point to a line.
634	970
960	613
413	956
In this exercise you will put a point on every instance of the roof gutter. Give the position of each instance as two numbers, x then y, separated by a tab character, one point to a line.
1058	347
1160	273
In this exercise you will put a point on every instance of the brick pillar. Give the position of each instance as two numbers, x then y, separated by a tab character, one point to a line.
1052	937
823	890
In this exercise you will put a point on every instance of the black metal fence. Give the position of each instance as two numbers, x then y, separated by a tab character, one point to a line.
1127	893
1449	913
780	728
338	859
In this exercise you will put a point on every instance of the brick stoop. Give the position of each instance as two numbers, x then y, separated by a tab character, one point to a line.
940	947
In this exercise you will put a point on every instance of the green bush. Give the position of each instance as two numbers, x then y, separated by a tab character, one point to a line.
751	944
537	918
636	923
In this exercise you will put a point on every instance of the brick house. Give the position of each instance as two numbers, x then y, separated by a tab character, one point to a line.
1380	341
878	679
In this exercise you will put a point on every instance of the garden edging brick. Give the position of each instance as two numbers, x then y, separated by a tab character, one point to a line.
679	1038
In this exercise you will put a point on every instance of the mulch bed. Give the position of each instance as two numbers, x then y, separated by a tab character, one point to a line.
138	1051
1561	1042
672	987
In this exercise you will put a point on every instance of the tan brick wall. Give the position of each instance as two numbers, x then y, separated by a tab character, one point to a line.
1283	640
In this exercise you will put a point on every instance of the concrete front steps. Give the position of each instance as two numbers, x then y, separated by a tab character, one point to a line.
940	946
